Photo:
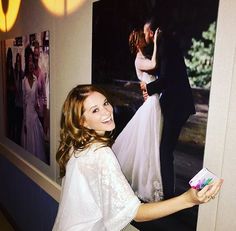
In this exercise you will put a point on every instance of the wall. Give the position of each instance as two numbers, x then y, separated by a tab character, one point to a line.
28	205
70	64
221	131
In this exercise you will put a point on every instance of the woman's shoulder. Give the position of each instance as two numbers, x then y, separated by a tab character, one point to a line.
104	154
83	158
102	151
95	151
94	157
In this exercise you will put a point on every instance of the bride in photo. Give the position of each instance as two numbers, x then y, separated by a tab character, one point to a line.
137	146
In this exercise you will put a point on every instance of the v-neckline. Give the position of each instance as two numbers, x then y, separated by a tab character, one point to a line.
31	86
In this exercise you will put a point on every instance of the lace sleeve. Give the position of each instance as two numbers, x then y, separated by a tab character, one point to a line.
119	203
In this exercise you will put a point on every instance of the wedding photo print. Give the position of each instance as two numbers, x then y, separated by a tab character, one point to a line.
26	93
155	59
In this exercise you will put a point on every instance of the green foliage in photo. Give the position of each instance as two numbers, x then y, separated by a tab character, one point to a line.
199	60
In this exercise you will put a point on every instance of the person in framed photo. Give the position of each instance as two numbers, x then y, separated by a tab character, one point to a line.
42	98
137	145
176	98
11	96
18	77
32	131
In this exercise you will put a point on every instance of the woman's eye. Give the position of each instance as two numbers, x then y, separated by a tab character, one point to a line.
95	110
106	103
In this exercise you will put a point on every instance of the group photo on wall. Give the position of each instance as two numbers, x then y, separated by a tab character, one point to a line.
155	58
26	93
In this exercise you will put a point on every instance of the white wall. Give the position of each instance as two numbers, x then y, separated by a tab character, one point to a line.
220	154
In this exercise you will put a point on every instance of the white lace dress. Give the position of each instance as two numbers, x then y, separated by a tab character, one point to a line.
95	195
137	147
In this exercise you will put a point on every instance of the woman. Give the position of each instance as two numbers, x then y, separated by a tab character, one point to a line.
32	130
137	146
95	194
18	76
42	99
11	95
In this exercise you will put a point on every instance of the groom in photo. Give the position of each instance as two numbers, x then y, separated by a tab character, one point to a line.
176	98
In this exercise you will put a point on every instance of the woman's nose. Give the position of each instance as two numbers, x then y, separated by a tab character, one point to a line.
106	111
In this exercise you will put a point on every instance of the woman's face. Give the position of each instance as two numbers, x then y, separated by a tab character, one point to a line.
31	64
98	113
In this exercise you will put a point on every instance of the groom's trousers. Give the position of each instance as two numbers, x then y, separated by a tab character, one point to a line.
170	133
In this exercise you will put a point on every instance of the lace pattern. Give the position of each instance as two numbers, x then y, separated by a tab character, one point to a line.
157	193
95	194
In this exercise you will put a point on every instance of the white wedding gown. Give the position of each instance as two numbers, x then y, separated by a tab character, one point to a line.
32	138
137	148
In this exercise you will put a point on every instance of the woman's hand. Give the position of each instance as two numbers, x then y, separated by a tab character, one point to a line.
155	210
144	90
157	34
209	192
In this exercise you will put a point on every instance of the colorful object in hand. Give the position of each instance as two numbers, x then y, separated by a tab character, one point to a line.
202	178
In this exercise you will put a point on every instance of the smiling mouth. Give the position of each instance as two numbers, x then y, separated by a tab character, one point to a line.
107	120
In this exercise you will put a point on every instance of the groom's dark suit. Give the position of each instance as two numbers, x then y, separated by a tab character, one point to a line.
176	103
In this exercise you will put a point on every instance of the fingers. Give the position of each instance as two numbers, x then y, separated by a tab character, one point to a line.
203	191
202	195
158	32
210	191
145	95
144	90
143	86
214	188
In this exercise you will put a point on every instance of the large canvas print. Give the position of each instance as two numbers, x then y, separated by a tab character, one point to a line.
159	140
26	93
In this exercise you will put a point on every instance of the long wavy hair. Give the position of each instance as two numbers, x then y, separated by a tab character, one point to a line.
72	132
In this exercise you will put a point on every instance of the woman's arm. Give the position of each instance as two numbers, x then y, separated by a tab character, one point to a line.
192	197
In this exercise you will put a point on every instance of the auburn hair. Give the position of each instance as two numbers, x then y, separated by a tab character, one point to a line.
136	39
72	132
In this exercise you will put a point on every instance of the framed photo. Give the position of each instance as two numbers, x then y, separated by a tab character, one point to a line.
26	96
113	67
